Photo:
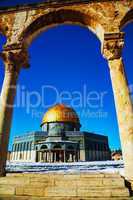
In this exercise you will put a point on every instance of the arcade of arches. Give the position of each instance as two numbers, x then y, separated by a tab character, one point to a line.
105	18
57	155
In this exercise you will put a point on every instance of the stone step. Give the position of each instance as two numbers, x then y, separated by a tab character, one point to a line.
63	186
92	192
70	175
63	191
98	182
11	197
9	190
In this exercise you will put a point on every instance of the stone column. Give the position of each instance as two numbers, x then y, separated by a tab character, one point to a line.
46	156
49	156
70	157
79	155
55	156
13	60
64	156
112	49
52	156
39	156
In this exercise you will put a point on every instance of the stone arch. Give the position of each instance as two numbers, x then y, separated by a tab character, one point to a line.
61	16
128	18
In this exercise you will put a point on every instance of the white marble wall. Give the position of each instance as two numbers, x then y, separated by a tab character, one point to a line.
24	156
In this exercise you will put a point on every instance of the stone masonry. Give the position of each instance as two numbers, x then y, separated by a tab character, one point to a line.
82	186
105	18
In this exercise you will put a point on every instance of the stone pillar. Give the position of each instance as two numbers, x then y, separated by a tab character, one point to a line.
79	155
55	156
112	49
60	156
49	157
13	60
52	157
39	156
42	156
70	157
64	160
46	157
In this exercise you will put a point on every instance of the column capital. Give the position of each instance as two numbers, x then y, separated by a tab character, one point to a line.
15	59
113	45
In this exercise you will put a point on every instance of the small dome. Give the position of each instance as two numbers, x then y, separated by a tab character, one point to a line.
60	113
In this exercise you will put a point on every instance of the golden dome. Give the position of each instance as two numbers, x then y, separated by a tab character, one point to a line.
60	113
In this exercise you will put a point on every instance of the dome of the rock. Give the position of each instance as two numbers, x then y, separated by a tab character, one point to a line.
60	113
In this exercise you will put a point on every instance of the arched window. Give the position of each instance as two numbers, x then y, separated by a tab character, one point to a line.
70	147
57	146
43	147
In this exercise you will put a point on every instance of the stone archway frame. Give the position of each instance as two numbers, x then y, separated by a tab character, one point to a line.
111	43
128	18
99	16
104	18
58	17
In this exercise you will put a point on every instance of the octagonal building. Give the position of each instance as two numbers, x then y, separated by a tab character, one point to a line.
60	140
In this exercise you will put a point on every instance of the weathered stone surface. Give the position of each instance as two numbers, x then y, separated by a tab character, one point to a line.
14	181
63	186
119	192
104	18
114	175
9	197
14	174
60	192
30	191
113	182
94	192
7	190
90	182
92	175
29	21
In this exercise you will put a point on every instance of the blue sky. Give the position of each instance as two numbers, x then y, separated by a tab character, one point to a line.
68	58
17	2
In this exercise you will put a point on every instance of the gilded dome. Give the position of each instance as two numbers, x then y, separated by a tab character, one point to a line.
60	113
